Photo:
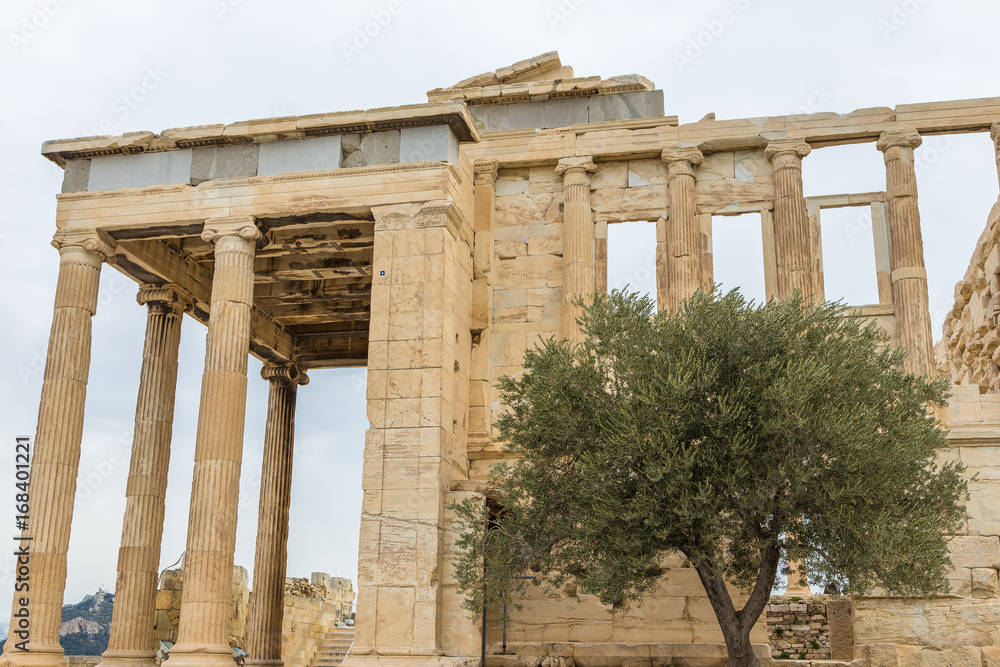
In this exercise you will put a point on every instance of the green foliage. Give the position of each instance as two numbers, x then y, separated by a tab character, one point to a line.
739	435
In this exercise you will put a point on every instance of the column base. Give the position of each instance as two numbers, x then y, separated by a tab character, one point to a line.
128	658
197	656
798	590
50	658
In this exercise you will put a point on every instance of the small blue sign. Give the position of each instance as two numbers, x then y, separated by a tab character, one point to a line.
381	273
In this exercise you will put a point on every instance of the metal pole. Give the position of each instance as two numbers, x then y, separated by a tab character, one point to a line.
483	648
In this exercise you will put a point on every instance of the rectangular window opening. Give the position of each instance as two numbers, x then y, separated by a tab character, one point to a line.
738	255
849	269
632	257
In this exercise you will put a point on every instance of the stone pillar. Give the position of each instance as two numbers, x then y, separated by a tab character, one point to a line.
56	457
679	239
995	133
909	278
481	370
578	240
792	248
417	447
268	602
203	636
131	641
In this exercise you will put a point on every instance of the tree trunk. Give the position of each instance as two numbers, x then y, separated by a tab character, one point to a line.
736	625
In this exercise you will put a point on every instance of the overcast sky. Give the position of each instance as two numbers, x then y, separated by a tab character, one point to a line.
73	68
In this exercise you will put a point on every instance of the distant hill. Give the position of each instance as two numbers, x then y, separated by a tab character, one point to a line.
86	625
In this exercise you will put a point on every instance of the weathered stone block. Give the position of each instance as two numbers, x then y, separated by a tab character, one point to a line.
975	551
565	112
490	117
76	176
373	148
436	143
525	115
140	170
299	155
984	583
623	106
224	162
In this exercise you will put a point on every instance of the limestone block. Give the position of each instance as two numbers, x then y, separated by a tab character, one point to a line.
716	166
76	176
975	551
646	172
984	508
373	148
545	180
490	117
981	461
991	656
520	210
299	155
511	186
224	162
525	115
752	167
622	106
565	112
960	582
164	598
951	656
140	170
436	143
610	175
881	655
984	583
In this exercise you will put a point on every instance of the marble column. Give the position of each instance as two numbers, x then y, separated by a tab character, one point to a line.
578	241
792	247
679	239
203	636
56	457
481	369
909	278
270	558
131	641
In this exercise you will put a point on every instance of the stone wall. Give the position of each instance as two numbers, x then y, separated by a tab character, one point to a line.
312	607
798	629
969	614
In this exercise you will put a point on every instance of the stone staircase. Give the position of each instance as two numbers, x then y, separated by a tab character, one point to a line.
333	647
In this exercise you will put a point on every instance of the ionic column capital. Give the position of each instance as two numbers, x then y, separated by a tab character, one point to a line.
288	373
242	226
781	147
164	297
682	160
995	133
904	138
575	165
486	171
70	240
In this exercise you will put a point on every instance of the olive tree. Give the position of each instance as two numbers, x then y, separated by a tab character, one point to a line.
742	436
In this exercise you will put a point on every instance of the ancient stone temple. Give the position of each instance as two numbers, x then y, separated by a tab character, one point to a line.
433	244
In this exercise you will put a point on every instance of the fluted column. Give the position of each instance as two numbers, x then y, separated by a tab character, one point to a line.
678	240
131	641
792	249
995	133
270	558
578	240
56	456
909	278
203	636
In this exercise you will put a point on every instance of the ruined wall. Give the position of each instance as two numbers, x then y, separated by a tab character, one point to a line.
969	351
312	608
